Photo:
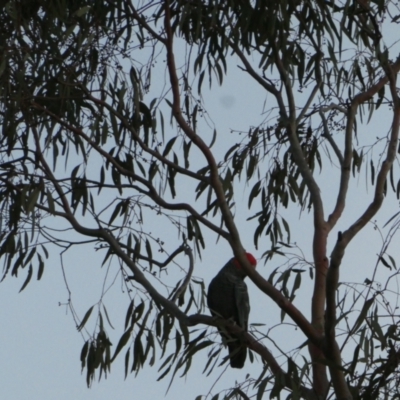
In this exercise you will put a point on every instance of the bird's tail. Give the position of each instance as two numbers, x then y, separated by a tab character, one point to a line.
237	354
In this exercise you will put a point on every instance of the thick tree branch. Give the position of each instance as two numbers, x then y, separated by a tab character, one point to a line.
332	350
320	231
319	241
286	306
215	181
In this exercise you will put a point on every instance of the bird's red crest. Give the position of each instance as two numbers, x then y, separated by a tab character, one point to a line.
252	260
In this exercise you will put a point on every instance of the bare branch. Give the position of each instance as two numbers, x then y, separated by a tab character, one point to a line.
139	277
374	89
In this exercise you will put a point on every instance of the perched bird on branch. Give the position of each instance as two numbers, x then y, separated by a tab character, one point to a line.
228	298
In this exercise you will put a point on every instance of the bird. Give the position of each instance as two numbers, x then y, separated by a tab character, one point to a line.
228	298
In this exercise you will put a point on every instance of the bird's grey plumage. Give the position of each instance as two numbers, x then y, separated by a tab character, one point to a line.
228	298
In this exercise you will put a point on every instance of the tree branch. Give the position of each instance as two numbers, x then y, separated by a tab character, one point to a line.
234	238
186	281
183	248
376	203
250	70
348	151
346	167
320	231
215	181
332	350
257	347
329	138
287	306
184	171
161	264
291	126
142	22
151	193
308	103
68	212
